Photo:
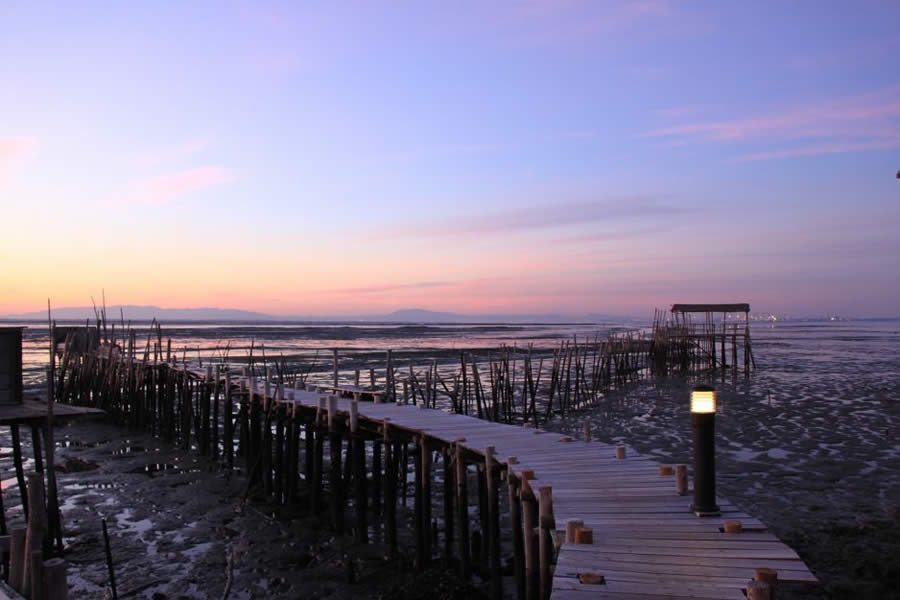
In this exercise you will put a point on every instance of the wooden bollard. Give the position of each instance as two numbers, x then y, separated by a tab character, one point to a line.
16	558
681	480
390	490
529	521
769	576
318	451
515	517
665	470
547	526
758	590
55	577
572	526
335	480
462	509
620	451
360	499
584	535
587	432
36	570
449	492
37	526
493	531
732	526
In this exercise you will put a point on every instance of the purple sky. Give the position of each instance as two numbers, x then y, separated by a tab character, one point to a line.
536	156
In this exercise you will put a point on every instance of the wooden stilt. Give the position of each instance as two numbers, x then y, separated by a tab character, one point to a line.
448	504
547	525
515	517
462	509
390	491
529	521
20	472
359	476
335	480
493	530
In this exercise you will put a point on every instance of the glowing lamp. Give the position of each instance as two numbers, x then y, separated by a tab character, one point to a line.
703	400
703	424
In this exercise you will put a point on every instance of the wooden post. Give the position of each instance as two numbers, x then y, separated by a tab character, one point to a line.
36	528
620	451
335	480
16	558
681	480
390	490
55	579
770	576
547	525
228	425
36	568
447	459
584	535
587	432
335	360
425	462
462	508
515	517
377	445
359	475
572	526
419	509
20	472
318	448
389	391
493	531
529	518
758	590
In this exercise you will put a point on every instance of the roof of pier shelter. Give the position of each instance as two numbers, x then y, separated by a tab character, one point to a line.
713	308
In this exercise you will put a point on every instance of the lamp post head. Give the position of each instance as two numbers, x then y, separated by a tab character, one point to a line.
703	400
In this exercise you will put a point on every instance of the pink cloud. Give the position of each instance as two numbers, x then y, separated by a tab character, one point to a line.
860	122
162	189
16	149
174	153
827	148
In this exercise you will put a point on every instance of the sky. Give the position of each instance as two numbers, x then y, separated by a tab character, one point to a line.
529	156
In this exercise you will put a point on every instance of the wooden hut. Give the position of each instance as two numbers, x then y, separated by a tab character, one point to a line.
11	365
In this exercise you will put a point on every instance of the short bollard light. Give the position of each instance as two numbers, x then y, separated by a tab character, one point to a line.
703	423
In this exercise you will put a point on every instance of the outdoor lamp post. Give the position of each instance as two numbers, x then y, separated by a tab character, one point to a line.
703	423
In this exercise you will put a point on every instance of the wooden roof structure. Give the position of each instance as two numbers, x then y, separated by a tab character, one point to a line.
713	308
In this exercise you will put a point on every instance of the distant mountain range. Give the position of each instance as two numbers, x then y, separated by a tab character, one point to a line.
409	315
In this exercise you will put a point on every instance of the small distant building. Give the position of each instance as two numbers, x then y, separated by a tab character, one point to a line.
11	365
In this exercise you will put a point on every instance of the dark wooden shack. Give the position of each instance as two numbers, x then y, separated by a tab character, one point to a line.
680	314
11	365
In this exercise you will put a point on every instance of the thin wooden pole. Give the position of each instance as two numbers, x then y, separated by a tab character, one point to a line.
462	508
493	531
547	525
515	517
390	490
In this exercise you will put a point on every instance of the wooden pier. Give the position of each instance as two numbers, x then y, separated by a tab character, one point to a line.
585	519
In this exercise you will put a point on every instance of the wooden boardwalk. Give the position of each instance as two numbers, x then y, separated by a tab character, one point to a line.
646	542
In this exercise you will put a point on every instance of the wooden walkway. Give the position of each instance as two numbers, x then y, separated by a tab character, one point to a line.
646	542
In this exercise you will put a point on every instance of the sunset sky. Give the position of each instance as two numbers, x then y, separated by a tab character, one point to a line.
477	157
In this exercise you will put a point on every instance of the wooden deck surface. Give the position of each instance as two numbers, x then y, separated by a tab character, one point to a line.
35	409
647	543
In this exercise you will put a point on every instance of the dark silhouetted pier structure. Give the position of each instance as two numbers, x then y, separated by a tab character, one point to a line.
584	519
682	344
